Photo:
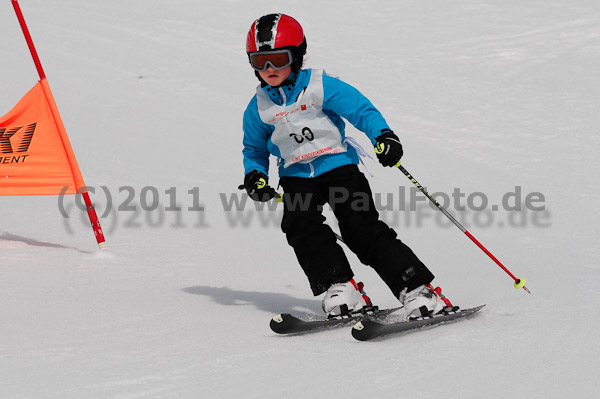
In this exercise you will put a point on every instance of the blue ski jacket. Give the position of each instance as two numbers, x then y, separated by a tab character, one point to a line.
341	100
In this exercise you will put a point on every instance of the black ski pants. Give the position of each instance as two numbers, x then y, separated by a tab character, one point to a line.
323	260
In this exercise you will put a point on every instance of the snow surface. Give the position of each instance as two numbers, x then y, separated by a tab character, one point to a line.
486	96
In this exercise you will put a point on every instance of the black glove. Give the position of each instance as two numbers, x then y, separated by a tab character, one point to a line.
256	185
388	149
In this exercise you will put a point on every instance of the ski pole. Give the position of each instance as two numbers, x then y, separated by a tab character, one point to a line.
519	282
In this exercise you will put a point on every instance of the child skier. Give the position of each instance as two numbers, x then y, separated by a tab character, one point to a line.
296	115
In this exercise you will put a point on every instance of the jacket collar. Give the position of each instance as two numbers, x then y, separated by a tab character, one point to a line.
291	88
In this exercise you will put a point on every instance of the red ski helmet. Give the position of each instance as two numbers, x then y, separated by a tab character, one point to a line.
277	32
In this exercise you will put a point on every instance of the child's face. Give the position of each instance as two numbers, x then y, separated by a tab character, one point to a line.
275	77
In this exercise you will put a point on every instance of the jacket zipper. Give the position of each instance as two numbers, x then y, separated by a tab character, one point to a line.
282	95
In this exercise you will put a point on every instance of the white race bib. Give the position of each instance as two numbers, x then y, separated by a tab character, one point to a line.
302	130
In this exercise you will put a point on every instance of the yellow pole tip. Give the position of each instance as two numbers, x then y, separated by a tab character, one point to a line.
520	283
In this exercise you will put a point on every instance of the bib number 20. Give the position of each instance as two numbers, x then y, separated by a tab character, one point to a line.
306	134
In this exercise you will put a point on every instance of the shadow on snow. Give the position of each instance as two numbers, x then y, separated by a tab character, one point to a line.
270	302
36	243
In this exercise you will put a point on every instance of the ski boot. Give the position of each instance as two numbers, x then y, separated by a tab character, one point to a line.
345	298
424	301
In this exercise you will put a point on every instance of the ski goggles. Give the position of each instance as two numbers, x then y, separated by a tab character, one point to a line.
278	59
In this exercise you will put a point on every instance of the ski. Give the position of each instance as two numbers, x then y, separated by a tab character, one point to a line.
286	323
369	329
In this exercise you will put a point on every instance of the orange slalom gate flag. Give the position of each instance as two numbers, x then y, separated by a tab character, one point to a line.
36	157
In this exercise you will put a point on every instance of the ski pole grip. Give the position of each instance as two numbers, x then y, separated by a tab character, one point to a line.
278	197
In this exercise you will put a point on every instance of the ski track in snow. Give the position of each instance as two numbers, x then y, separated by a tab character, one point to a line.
485	96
